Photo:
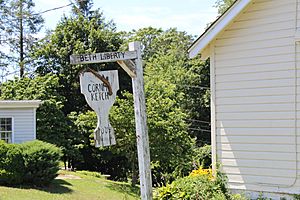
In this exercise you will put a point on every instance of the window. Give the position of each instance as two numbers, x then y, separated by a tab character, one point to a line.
6	129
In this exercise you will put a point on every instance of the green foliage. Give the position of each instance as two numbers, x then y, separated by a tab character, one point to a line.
19	25
77	35
53	126
35	163
202	157
41	162
223	5
11	164
97	159
193	188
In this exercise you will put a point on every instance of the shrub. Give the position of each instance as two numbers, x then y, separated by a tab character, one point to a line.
203	156
200	184
11	164
41	162
33	162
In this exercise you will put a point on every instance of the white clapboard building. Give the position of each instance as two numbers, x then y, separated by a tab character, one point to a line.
254	51
18	120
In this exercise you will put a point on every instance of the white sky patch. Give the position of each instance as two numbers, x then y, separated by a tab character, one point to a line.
191	16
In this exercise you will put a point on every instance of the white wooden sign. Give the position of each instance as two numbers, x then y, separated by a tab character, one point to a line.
102	57
98	98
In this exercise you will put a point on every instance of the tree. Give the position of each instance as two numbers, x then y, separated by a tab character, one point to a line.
223	5
52	125
20	26
77	35
3	60
166	53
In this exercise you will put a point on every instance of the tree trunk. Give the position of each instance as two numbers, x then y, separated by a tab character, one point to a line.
134	177
21	63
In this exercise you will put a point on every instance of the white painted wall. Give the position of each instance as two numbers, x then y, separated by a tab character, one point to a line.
256	93
23	123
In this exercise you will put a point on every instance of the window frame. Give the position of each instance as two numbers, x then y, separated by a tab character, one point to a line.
12	127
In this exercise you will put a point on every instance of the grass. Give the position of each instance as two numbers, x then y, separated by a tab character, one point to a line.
90	187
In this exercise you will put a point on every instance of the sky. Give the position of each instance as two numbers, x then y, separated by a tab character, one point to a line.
191	16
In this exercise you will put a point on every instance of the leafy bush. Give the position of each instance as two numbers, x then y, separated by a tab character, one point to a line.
11	164
41	161
202	158
199	185
33	162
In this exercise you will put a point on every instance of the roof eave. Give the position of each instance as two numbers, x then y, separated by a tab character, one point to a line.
210	34
20	104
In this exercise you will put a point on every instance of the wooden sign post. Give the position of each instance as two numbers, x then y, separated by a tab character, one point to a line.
131	62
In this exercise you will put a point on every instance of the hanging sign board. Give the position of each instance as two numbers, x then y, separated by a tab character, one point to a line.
102	57
101	99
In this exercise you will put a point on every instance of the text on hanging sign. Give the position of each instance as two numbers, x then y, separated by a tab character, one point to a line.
102	57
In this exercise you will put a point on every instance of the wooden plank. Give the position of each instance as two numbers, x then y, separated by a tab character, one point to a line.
259	179
256	116
281	107
102	57
286	74
128	66
232	46
98	98
256	84
141	125
273	164
256	53
257	60
256	92
264	140
289	148
287	173
256	100
284	156
213	107
290	131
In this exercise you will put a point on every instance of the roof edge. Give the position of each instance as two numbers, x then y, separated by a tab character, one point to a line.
20	104
217	27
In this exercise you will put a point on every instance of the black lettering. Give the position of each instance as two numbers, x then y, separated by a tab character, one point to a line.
95	57
115	55
123	54
106	96
89	88
81	58
86	58
92	96
96	89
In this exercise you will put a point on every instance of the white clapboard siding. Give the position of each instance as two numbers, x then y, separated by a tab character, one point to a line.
284	74
275	51
288	148
256	93
260	179
256	84
24	125
254	131
256	140
268	164
263	99
280	107
255	116
284	156
259	171
233	46
257	60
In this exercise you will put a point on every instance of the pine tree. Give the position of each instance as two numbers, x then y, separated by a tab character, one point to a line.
20	24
